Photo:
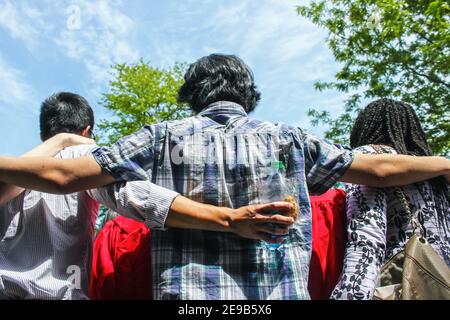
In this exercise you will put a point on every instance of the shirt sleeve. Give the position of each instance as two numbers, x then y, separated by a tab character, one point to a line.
131	158
139	200
366	244
325	163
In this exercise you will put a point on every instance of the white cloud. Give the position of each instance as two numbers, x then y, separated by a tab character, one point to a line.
14	90
287	52
102	39
13	20
270	27
296	45
24	22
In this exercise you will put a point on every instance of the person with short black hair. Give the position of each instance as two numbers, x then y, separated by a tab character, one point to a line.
377	225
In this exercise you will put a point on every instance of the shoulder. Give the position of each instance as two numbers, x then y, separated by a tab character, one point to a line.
181	127
77	151
266	127
375	149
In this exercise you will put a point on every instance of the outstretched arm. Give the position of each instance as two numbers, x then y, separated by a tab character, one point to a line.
388	170
49	148
252	222
55	144
58	176
71	175
161	208
327	163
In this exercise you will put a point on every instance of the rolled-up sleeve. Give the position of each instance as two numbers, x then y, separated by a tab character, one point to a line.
325	163
139	200
130	158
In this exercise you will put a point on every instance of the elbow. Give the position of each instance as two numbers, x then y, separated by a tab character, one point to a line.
60	184
381	176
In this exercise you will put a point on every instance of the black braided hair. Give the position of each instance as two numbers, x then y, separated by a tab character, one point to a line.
395	124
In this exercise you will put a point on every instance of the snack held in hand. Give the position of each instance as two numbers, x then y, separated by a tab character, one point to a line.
294	211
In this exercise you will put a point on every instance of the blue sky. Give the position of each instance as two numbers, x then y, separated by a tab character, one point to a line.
45	49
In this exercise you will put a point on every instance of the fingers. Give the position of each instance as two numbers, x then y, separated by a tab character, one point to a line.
277	218
265	208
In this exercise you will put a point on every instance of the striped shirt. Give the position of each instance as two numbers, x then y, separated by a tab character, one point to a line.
46	239
224	158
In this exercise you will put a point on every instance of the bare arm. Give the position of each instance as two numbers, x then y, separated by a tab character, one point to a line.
249	222
388	170
55	144
59	176
161	208
49	148
71	175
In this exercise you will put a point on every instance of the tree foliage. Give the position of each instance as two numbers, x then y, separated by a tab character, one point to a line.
388	48
140	94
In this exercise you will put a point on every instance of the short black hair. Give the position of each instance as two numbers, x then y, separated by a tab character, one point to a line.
65	112
219	77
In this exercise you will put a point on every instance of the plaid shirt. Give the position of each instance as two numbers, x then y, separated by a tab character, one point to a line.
224	158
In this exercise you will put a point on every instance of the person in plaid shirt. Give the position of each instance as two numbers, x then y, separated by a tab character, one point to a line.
222	157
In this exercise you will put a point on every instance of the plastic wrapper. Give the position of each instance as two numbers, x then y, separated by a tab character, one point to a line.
275	186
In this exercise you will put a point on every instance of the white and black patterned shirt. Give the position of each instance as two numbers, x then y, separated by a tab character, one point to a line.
378	228
46	239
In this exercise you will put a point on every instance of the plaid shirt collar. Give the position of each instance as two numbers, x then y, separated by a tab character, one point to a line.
223	111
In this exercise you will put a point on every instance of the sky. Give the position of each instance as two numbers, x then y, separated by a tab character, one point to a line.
50	46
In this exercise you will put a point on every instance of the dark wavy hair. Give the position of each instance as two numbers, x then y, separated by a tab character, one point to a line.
395	123
219	77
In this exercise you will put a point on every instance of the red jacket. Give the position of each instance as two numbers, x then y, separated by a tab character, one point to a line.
121	265
328	244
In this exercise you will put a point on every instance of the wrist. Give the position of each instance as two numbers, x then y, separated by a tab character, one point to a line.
66	140
224	218
447	173
444	164
185	213
61	140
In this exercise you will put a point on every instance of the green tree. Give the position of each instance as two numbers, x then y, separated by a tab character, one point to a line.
388	48
140	94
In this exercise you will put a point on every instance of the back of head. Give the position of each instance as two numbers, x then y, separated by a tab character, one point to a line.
65	112
395	123
219	77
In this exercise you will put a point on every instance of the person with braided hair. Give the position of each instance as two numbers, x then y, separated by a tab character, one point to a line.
377	225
